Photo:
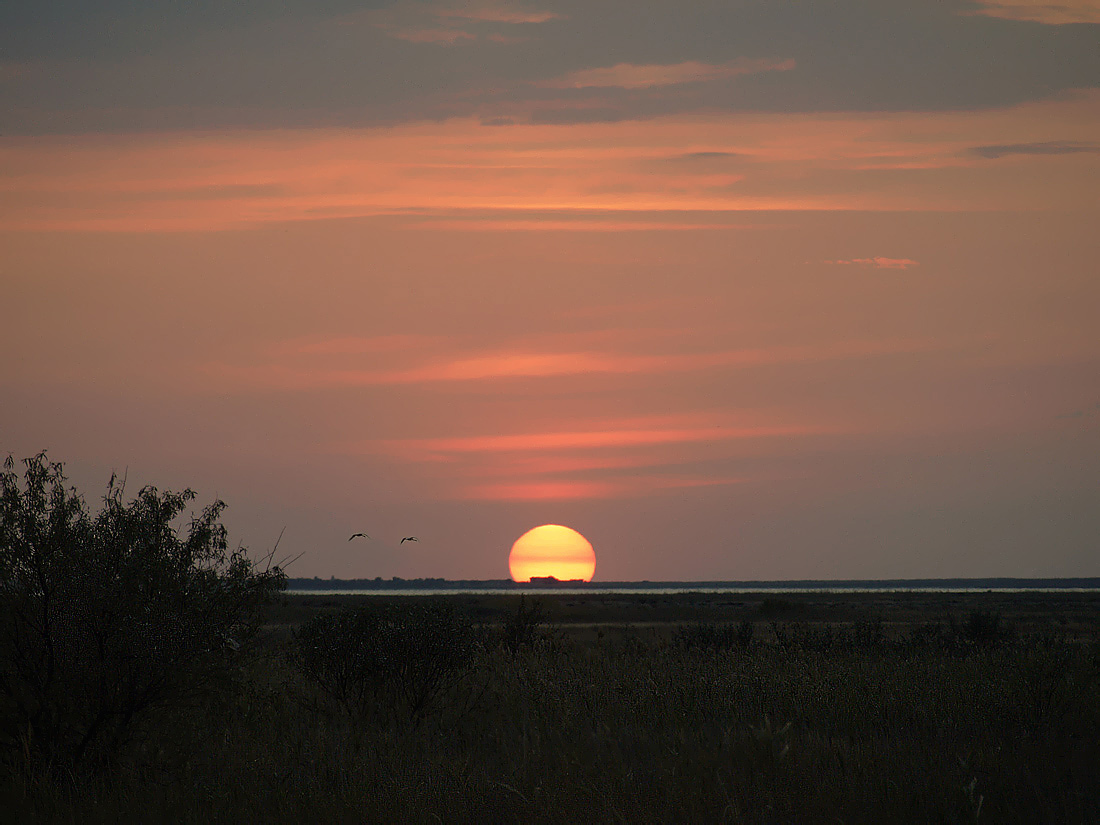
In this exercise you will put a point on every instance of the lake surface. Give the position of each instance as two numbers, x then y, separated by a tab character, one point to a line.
658	590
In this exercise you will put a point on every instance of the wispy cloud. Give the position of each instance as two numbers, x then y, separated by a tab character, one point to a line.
452	23
610	459
497	13
879	262
561	490
1057	13
634	76
588	225
461	171
698	157
1050	147
443	36
514	364
429	448
520	465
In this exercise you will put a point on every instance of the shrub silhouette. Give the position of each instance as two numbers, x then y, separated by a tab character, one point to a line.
715	636
525	627
106	618
981	629
389	662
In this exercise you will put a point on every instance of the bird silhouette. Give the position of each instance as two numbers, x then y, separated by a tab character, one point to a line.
408	538
356	535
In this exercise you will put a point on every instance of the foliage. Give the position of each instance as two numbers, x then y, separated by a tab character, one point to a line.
981	629
650	732
391	662
525	627
715	636
108	617
855	719
772	606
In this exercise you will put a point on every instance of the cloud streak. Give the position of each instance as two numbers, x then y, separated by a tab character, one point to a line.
1052	147
437	36
429	448
634	76
1059	13
573	489
879	262
497	13
455	23
614	459
520	364
459	170
620	458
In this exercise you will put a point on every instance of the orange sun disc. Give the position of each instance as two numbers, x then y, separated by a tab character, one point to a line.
552	550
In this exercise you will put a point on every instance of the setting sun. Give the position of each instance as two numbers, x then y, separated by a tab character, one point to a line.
552	550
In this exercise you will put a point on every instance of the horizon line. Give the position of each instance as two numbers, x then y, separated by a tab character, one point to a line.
667	582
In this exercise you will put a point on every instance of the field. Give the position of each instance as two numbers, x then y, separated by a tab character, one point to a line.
902	707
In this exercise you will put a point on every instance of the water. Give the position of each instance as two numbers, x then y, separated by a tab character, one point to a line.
664	591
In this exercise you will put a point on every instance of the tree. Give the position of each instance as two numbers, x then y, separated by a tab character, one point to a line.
105	618
389	662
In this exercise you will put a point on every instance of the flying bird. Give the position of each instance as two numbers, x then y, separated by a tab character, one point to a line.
356	535
408	538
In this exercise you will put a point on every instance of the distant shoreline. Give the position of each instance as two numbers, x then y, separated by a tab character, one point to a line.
391	584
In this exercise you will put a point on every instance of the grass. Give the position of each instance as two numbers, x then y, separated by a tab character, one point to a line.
837	709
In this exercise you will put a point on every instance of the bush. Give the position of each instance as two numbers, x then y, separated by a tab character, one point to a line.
525	627
778	607
709	637
389	663
981	629
106	618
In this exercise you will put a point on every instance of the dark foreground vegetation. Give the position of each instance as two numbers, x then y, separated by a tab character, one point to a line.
683	708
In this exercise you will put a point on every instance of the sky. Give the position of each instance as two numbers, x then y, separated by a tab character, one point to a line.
738	290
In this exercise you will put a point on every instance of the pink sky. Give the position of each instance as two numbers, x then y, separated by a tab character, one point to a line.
722	342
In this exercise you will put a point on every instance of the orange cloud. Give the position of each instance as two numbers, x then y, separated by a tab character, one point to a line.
538	490
497	13
583	489
520	364
463	172
615	438
633	76
557	463
508	365
584	225
444	25
605	459
880	262
1057	13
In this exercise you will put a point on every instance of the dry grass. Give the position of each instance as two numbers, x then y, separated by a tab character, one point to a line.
639	727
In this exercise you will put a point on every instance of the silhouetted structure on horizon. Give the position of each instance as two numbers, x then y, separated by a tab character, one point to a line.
551	581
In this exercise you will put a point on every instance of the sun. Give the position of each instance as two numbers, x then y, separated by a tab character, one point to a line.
552	550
